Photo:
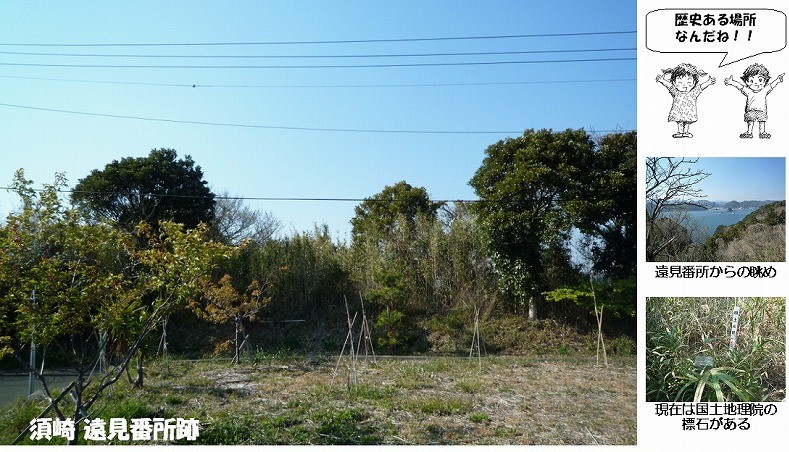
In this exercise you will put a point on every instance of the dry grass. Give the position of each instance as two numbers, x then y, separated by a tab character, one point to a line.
517	400
425	401
760	243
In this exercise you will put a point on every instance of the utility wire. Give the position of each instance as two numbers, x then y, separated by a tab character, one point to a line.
253	126
391	85
315	66
241	198
369	55
347	41
256	198
110	82
260	126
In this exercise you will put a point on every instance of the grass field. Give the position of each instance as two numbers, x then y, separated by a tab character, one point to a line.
293	400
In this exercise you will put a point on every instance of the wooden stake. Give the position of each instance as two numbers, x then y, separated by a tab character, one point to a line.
475	339
348	339
365	336
599	318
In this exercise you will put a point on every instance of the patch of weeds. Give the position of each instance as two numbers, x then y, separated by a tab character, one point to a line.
277	357
131	407
620	346
680	330
172	399
411	384
371	393
564	350
443	406
285	429
16	418
437	365
230	429
413	377
321	391
504	432
166	368
345	426
197	382
297	405
469	386
511	362
506	390
479	418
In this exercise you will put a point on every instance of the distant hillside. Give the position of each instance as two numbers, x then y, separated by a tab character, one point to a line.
674	207
703	204
745	204
760	236
707	204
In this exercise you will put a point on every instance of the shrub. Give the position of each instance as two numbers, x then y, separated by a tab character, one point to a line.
681	329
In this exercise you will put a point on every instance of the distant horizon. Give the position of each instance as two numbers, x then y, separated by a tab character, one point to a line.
738	200
697	205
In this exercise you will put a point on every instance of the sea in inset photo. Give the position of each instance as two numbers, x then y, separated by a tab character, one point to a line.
715	209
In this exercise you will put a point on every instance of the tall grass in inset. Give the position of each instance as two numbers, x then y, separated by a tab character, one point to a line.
680	329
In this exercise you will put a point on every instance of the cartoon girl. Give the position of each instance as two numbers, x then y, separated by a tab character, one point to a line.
683	84
756	78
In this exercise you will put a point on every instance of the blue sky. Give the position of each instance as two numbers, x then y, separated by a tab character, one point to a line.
743	178
503	99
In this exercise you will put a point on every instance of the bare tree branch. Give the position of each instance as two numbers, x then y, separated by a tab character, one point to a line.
670	183
235	222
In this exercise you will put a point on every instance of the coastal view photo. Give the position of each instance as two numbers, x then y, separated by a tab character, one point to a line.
715	209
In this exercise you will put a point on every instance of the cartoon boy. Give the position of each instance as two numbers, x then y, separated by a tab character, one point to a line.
756	78
683	84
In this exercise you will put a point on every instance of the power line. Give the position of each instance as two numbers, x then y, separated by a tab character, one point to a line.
346	41
252	126
390	85
241	198
314	66
371	55
111	82
418	85
259	126
256	198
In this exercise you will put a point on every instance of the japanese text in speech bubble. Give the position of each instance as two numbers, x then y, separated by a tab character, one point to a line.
739	33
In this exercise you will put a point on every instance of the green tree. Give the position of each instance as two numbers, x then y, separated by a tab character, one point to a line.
310	273
607	210
223	302
529	189
542	191
390	231
392	265
151	189
467	276
398	204
89	290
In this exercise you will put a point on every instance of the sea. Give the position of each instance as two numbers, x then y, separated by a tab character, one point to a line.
708	220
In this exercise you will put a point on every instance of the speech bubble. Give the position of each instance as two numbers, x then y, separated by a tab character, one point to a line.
739	33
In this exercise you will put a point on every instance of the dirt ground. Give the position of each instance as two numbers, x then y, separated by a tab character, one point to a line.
498	400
